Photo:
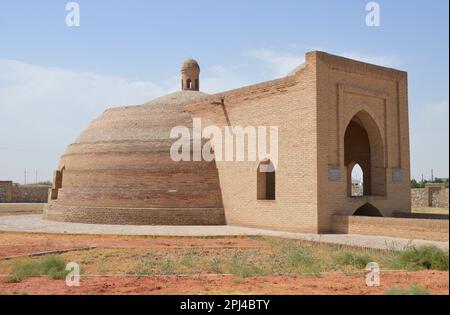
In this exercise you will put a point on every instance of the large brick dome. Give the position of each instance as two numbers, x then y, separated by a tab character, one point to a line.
119	171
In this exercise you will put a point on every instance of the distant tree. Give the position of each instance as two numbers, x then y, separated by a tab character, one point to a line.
421	184
441	181
415	184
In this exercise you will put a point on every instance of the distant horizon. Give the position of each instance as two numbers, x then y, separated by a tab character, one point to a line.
55	79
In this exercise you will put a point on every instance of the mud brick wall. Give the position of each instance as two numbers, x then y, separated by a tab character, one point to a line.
135	216
30	193
420	198
5	191
312	109
426	229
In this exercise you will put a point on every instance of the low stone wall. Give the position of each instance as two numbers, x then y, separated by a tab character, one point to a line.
135	216
6	191
426	229
20	208
412	215
30	193
420	197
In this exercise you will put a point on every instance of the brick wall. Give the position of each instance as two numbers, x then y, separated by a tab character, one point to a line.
427	229
135	216
288	103
30	193
6	191
313	108
376	98
420	198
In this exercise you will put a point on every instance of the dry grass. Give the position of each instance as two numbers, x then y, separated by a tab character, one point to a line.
267	256
245	257
246	265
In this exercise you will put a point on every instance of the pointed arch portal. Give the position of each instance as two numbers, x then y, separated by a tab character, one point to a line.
363	146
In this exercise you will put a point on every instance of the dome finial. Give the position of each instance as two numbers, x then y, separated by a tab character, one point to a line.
190	76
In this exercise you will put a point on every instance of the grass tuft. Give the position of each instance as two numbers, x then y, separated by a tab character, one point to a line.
52	266
215	264
420	258
23	269
299	258
239	266
415	289
356	260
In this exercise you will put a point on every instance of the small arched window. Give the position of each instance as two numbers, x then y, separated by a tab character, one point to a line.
188	84
266	181
357	181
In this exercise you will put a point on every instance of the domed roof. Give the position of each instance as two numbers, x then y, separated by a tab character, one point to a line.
190	63
119	170
150	121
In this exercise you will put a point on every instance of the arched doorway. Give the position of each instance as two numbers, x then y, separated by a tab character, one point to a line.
368	210
364	146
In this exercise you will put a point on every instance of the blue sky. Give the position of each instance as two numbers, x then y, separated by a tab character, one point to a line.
55	79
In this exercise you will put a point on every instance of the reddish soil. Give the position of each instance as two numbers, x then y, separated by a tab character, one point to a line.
12	244
332	283
435	282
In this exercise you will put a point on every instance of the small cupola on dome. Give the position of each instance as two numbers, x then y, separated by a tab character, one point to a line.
190	76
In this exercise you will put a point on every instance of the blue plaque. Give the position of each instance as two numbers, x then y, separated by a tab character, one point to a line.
334	174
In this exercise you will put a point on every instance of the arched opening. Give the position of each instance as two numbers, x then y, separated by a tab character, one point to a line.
57	183
266	181
357	176
368	210
188	84
363	146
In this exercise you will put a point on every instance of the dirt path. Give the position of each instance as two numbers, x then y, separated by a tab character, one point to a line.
36	224
434	282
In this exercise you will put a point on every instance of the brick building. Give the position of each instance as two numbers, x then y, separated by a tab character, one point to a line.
331	112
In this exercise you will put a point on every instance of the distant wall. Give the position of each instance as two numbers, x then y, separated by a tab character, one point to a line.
415	215
433	195
6	191
30	193
426	229
20	208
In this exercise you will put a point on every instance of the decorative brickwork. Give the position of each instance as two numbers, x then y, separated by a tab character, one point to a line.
119	170
426	229
313	108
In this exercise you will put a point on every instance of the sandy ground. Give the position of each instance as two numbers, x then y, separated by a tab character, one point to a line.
435	282
17	244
